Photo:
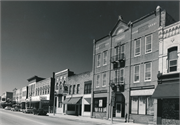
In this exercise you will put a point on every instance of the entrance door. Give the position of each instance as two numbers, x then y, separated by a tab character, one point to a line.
118	109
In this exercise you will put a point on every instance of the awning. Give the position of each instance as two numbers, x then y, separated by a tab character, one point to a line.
72	100
166	91
66	101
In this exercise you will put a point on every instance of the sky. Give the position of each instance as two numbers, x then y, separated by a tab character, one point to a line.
42	37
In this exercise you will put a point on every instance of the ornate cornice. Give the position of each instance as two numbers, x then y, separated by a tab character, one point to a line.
169	31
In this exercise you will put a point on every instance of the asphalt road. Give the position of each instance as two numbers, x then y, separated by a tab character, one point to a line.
8	117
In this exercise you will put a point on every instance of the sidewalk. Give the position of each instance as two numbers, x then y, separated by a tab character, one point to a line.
94	120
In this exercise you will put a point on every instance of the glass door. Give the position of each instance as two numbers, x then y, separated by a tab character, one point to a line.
118	109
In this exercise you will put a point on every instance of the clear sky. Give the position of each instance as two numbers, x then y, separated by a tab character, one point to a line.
42	37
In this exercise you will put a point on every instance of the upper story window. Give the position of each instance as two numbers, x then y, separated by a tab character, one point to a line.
172	59
98	81
87	88
104	79
122	51
116	50
105	58
147	67
148	43
56	86
70	89
137	47
121	75
78	88
136	73
74	86
98	60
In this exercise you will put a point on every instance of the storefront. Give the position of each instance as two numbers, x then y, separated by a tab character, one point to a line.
142	104
73	105
167	94
100	105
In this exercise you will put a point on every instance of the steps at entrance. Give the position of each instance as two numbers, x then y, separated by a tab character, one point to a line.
117	119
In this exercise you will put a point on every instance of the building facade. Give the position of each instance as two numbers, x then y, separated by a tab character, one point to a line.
61	89
167	91
78	99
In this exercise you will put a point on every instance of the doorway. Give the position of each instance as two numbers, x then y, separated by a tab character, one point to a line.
118	109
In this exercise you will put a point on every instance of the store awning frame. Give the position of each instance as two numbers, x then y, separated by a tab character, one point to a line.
72	100
170	90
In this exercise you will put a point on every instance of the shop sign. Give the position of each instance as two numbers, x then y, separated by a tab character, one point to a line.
142	92
43	98
100	103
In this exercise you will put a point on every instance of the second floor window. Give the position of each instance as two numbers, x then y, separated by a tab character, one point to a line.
121	75
148	42
172	59
104	57
104	79
136	73
98	81
147	67
122	51
98	60
87	88
74	86
78	88
69	89
137	47
56	86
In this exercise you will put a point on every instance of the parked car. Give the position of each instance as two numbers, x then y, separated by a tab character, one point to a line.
39	112
7	108
28	110
12	109
16	109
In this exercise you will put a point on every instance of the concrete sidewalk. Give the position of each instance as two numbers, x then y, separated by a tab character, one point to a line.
94	120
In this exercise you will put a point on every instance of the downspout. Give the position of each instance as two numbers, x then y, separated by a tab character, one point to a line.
110	53
93	71
130	23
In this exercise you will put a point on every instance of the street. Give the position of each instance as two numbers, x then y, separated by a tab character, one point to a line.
8	117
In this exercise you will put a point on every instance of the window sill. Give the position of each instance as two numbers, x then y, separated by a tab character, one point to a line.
147	80
97	86
137	55
148	52
104	86
137	82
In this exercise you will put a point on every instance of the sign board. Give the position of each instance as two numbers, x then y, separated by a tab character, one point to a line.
43	98
100	103
142	92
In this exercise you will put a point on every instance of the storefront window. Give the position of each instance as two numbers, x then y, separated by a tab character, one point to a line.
100	104
87	108
71	107
150	107
134	105
142	105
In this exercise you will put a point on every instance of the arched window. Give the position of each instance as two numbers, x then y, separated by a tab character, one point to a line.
172	59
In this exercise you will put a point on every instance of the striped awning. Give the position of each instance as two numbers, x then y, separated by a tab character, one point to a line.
73	100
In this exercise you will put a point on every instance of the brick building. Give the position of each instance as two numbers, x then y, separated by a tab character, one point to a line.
167	91
78	99
61	89
127	61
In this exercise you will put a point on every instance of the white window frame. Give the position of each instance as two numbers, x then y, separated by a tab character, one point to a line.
104	79
145	71
134	74
105	58
135	48
98	60
97	81
148	44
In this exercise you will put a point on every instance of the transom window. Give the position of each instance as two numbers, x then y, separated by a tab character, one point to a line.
137	47
147	72
172	57
136	73
148	44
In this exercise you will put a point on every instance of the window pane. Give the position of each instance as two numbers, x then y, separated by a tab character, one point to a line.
173	54
148	40
148	48
173	62
174	68
142	105
136	69
150	106
97	80
122	49
104	79
134	104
